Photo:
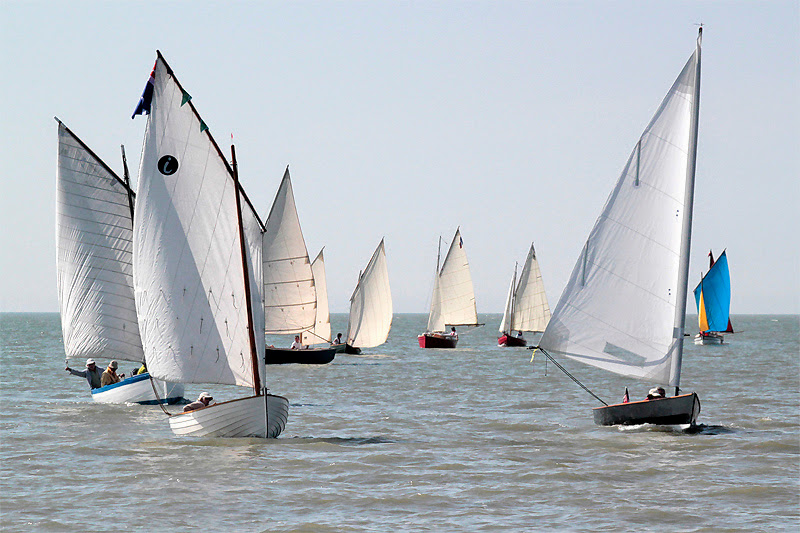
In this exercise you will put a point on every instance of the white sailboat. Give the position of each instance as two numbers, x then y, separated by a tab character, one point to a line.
197	270
370	305
453	298
624	307
94	227
526	306
321	332
290	295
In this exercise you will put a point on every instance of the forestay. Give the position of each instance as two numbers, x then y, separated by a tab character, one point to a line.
321	332
188	270
371	304
622	309
94	245
289	293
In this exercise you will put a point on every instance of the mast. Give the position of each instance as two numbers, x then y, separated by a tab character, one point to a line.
246	275
127	177
686	232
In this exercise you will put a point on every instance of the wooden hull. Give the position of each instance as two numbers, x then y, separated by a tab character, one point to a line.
139	389
708	338
437	340
310	356
510	340
352	350
244	417
682	409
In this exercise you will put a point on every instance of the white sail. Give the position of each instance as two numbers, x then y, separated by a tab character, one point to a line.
188	271
531	312
94	232
505	324
289	294
624	305
371	304
457	296
321	332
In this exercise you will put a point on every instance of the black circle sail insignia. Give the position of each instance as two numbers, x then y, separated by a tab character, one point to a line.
167	165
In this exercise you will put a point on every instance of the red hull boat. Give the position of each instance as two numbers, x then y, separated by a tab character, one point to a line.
437	340
509	340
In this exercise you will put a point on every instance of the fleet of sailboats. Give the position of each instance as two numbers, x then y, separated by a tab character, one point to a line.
195	285
526	306
713	298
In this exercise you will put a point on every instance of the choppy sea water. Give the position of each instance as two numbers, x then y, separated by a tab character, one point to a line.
405	439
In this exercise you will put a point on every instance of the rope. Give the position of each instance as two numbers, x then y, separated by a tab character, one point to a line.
570	376
158	398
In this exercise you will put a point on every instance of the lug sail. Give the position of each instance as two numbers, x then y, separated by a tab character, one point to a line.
371	304
456	293
624	305
531	312
506	323
713	298
321	332
94	230
187	257
289	295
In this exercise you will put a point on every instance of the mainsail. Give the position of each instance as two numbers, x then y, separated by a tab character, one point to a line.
527	308
321	332
453	301
94	230
371	304
187	257
623	309
290	298
713	298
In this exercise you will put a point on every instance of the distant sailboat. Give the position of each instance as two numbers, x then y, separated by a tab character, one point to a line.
197	270
624	307
290	295
526	307
713	298
94	227
321	332
370	306
453	298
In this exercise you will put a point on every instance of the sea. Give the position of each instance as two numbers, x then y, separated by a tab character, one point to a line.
479	438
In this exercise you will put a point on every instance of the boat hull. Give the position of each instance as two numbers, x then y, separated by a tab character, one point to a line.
244	417
309	356
139	389
437	340
510	340
352	350
682	409
708	338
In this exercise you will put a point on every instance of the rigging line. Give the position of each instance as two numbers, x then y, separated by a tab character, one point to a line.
158	398
570	376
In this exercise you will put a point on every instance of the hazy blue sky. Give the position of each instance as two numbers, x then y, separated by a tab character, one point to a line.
407	119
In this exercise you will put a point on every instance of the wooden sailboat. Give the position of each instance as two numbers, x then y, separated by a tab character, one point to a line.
94	214
624	307
290	295
370	306
197	269
713	298
526	306
453	298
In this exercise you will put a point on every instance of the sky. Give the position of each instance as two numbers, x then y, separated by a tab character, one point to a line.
405	120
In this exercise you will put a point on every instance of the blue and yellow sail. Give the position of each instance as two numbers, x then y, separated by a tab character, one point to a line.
713	297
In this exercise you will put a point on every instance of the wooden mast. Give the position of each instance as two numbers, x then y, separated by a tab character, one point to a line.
246	275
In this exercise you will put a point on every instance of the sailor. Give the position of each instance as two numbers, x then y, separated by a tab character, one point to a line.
110	376
656	393
338	339
92	374
202	401
519	334
453	331
297	345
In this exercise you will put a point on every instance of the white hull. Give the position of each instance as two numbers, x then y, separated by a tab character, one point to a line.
709	338
139	389
244	417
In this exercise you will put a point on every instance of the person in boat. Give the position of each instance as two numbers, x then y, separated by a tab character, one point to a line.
110	376
297	345
519	334
338	339
656	393
202	401
453	332
142	370
92	374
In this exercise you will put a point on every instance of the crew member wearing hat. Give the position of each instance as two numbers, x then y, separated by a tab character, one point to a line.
202	401
92	374
110	376
656	393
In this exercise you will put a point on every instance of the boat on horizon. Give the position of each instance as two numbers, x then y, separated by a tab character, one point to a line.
624	307
713	299
526	306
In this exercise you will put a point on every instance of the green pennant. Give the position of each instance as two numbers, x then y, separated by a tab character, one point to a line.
203	126
186	97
